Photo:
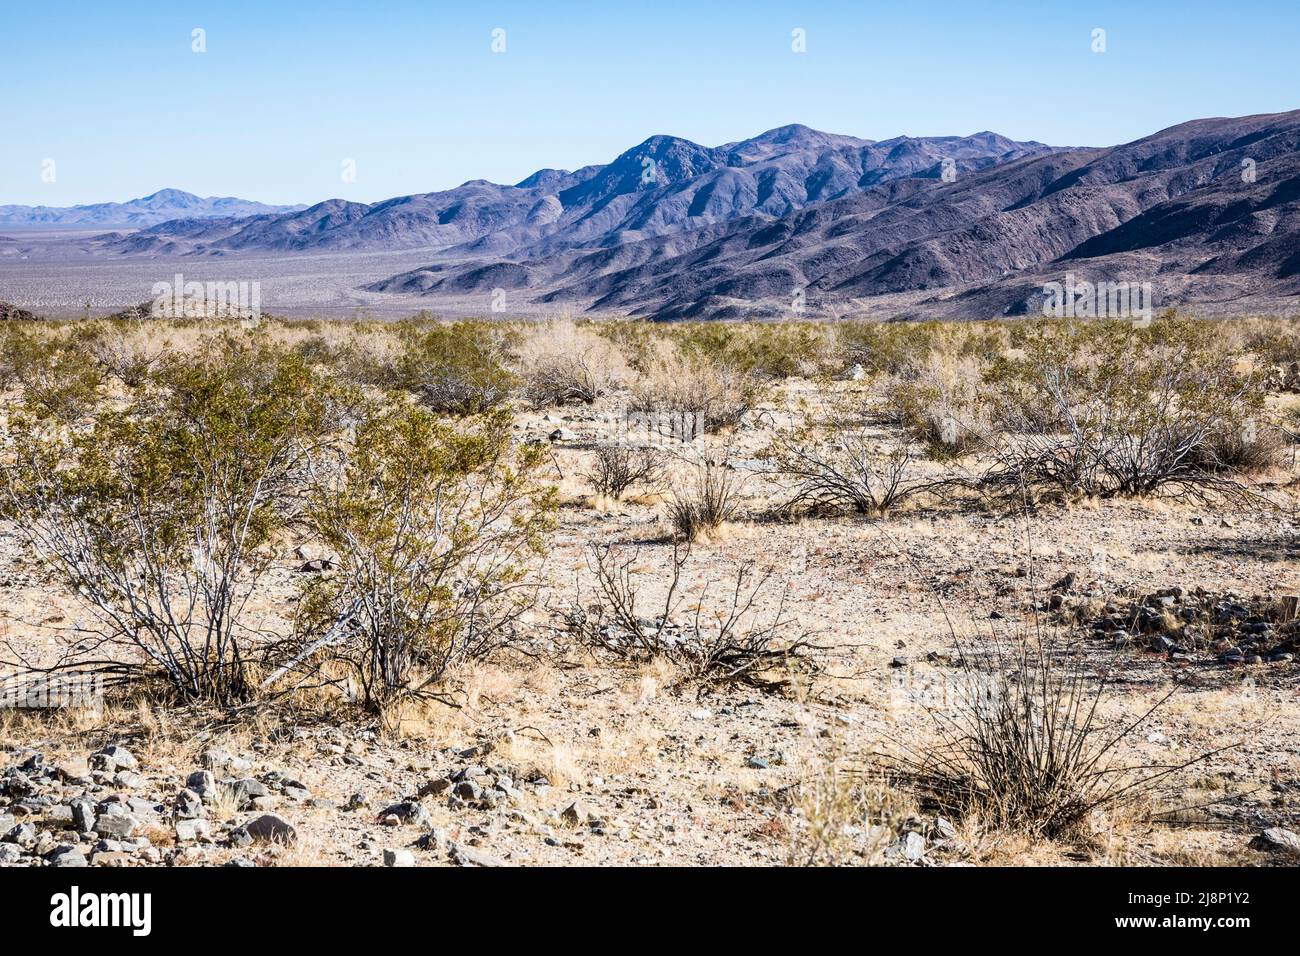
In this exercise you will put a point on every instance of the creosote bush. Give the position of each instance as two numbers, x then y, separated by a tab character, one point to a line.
1108	408
455	368
159	514
434	527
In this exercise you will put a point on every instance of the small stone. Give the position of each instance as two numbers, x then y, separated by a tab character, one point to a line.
116	826
115	757
189	830
269	828
83	815
66	855
9	854
24	834
407	812
399	858
436	787
912	846
1277	840
201	782
575	813
756	763
468	790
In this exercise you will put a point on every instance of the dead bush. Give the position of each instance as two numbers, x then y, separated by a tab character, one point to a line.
845	470
718	642
706	500
619	466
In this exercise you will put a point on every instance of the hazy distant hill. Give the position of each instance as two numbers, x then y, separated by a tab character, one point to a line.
150	210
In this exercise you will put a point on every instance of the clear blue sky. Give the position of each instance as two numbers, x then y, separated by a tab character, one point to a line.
413	93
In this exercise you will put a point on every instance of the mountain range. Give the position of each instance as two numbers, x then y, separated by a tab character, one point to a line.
1207	212
164	205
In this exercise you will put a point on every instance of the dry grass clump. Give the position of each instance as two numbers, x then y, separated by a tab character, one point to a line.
941	403
705	501
561	362
844	817
699	396
1023	746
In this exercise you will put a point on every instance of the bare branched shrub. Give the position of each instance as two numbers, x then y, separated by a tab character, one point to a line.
561	362
434	527
1129	411
706	500
717	642
1022	744
847	470
710	395
159	516
619	466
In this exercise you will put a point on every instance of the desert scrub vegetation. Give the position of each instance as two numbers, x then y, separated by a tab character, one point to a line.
454	368
705	500
696	395
435	527
1022	743
1107	408
619	466
714	639
562	363
158	514
56	375
837	465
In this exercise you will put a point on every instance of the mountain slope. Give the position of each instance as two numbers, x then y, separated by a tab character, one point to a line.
1173	209
661	186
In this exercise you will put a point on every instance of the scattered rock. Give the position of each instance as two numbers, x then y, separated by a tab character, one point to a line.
66	855
399	858
269	828
1277	840
406	812
113	758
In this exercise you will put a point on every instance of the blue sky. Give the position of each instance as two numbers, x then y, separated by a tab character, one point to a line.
413	93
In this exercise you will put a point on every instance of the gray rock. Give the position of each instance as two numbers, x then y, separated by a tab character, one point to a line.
188	805
575	814
115	757
116	826
1277	840
269	828
244	792
189	830
399	858
468	790
469	856
435	787
201	782
912	846
83	815
24	834
66	856
9	854
407	812
215	758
